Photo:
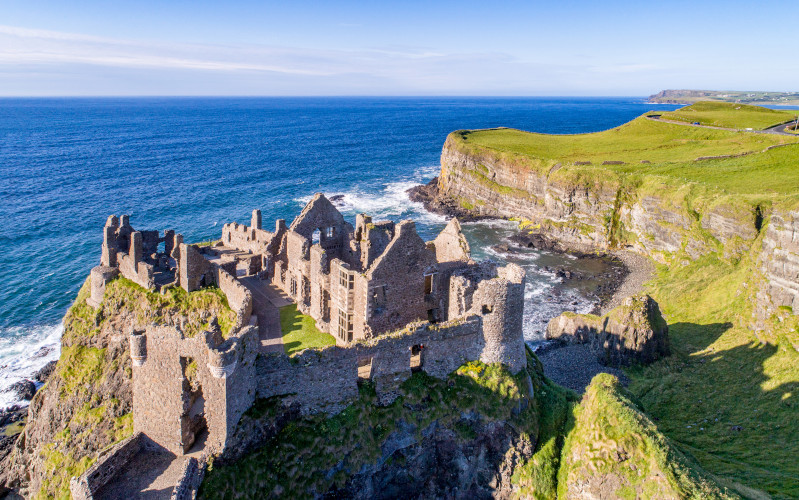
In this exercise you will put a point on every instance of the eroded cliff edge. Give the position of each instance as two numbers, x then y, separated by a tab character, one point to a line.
591	208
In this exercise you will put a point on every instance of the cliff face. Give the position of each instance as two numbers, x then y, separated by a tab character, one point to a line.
587	208
84	407
494	186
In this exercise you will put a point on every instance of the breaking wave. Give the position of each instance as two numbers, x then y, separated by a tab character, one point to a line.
24	351
389	201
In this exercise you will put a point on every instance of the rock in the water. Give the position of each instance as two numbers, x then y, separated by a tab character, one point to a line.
634	332
44	372
24	389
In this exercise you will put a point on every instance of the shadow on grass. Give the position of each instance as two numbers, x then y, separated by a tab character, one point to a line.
731	405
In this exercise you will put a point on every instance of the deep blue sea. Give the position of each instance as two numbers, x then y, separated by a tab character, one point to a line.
193	164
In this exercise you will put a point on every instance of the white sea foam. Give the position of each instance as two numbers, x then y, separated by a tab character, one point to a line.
24	351
389	202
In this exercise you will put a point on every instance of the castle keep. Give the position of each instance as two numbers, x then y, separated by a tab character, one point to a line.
393	302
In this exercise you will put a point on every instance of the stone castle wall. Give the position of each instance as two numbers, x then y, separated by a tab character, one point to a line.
327	380
246	238
106	467
238	297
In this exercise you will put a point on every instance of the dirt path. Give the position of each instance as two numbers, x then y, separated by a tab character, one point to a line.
267	301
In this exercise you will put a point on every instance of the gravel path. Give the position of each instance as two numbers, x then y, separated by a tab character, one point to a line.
639	270
574	366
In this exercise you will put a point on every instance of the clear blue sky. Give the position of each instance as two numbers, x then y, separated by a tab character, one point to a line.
400	48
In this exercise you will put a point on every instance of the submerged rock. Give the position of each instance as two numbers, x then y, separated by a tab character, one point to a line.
634	332
24	390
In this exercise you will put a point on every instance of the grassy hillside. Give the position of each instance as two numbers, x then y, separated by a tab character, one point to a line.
723	396
639	140
730	115
614	450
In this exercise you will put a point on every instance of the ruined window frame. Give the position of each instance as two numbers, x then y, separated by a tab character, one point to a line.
379	297
431	277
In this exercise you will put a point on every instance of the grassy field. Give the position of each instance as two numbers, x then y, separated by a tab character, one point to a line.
300	332
639	140
671	150
730	115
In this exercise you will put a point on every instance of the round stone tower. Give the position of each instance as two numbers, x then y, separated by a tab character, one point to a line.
500	301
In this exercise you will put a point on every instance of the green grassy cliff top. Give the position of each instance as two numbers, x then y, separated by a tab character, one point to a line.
736	162
730	115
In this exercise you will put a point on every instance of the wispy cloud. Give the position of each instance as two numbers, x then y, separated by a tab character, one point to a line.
135	66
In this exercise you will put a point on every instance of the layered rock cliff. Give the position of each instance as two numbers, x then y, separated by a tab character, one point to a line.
589	208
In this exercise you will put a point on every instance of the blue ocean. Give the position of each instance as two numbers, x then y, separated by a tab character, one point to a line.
193	164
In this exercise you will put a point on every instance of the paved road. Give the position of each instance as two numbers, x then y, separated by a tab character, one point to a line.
777	129
267	301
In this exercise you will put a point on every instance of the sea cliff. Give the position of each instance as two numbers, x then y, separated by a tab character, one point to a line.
716	211
597	208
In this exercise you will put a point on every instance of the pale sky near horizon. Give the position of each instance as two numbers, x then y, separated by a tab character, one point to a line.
630	48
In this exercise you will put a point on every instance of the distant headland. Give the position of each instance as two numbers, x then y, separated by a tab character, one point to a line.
746	97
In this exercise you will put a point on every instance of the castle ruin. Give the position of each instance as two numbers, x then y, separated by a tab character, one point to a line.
393	302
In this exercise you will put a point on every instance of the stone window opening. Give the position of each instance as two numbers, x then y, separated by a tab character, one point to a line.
346	280
487	309
365	369
429	283
316	236
329	232
293	287
416	357
432	316
306	291
345	325
379	299
326	306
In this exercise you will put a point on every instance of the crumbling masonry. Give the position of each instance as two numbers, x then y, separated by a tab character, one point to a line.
393	302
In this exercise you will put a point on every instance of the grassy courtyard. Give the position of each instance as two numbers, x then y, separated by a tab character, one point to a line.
300	332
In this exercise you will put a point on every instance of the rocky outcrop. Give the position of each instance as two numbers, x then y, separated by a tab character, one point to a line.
442	465
85	406
24	390
615	451
779	269
634	332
